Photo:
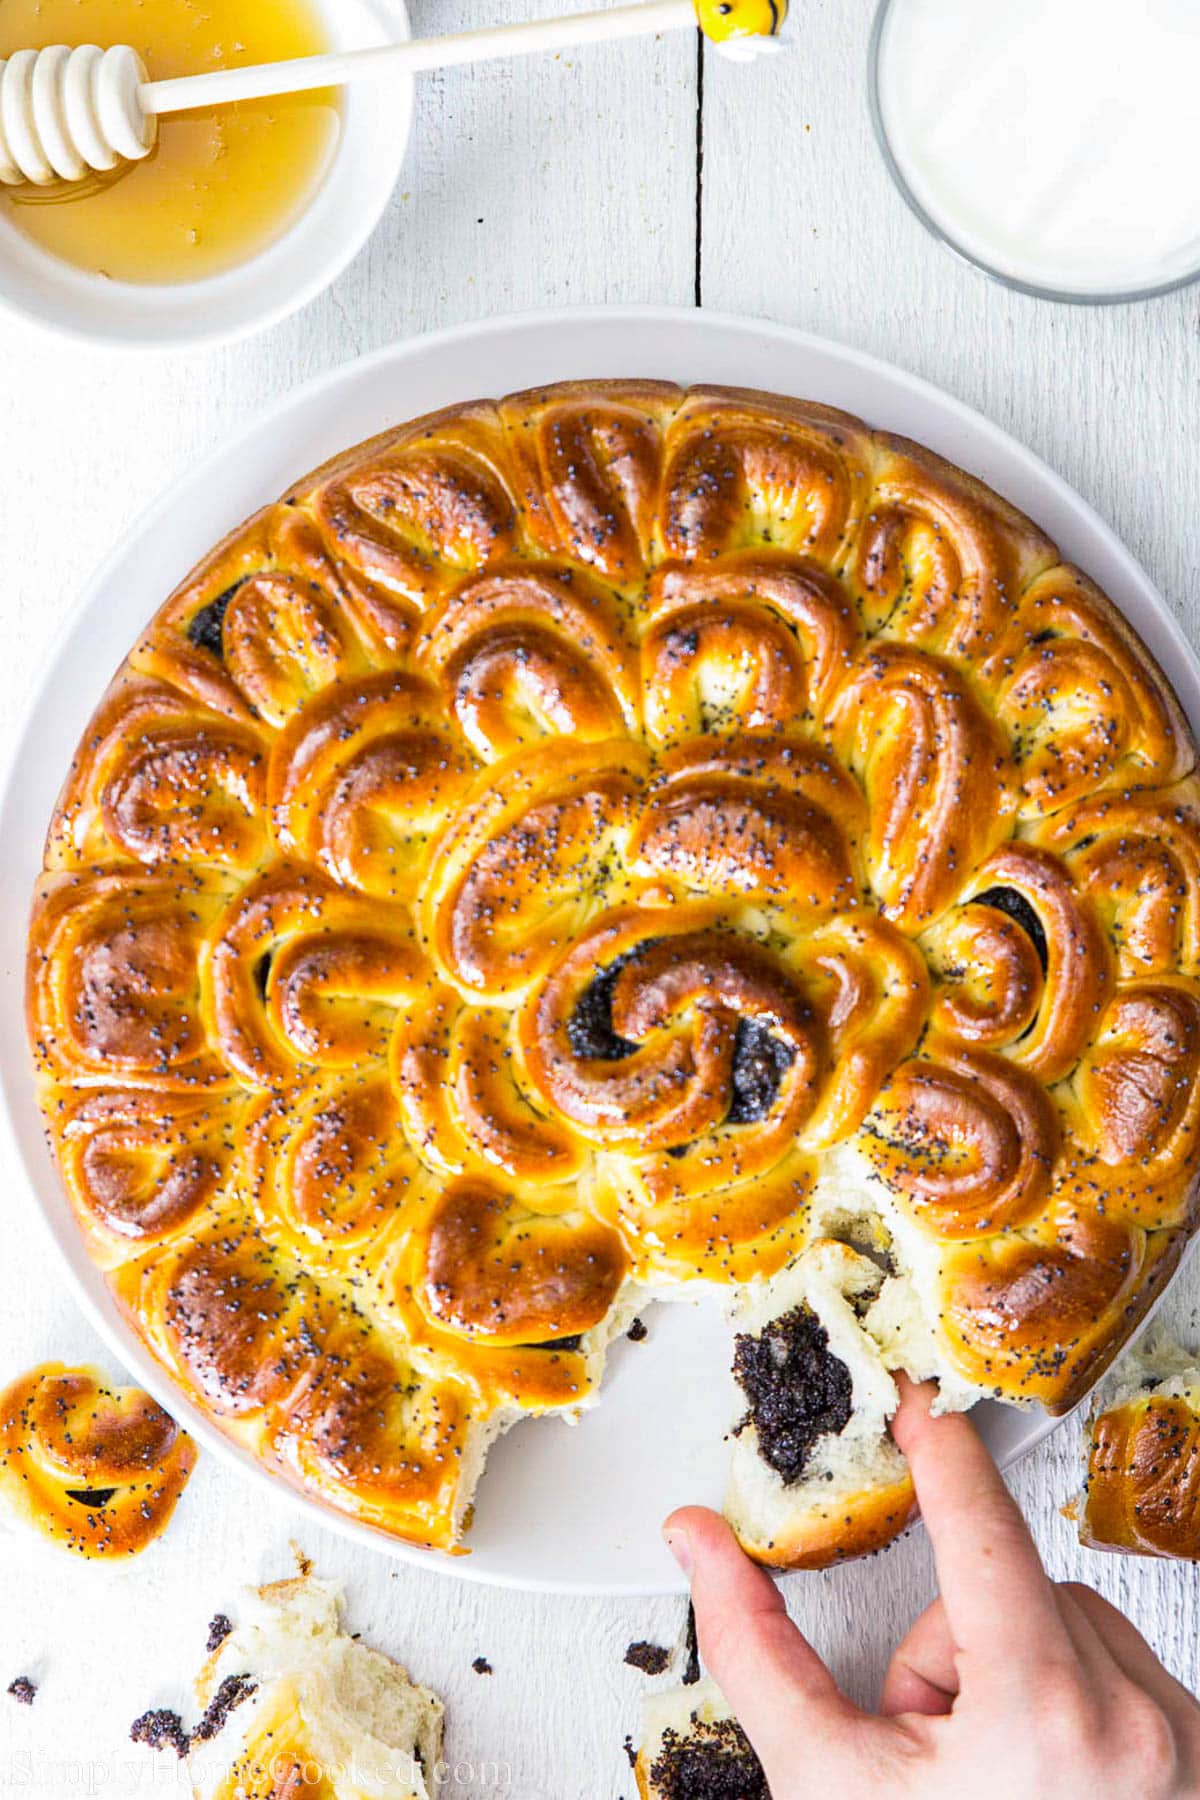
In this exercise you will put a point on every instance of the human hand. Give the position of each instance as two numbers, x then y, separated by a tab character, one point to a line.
1008	1687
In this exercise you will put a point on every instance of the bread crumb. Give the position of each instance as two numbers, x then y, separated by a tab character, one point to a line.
651	1659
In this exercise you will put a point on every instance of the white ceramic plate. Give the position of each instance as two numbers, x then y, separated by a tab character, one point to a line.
560	1507
332	227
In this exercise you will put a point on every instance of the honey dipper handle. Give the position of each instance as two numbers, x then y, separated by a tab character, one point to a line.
259	80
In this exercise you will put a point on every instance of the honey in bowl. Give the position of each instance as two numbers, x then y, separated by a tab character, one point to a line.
221	182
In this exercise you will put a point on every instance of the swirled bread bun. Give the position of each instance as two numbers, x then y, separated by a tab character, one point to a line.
814	1475
294	1706
96	1468
693	1748
1142	1486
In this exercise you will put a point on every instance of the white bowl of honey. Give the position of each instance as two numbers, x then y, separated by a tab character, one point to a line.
242	213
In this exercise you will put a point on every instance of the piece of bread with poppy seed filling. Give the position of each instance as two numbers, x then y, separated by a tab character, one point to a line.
1142	1453
814	1475
693	1747
294	1706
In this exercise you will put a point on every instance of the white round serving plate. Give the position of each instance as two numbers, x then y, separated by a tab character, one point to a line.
561	1507
332	226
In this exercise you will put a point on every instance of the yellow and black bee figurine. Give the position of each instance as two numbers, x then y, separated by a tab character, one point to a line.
724	20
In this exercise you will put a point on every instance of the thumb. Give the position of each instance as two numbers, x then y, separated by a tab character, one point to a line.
771	1676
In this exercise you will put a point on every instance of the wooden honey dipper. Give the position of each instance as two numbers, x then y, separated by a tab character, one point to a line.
64	111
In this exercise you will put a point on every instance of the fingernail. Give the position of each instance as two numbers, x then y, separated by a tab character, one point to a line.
680	1548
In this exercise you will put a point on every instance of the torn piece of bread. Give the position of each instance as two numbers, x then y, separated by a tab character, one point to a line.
692	1748
814	1476
852	1203
294	1706
1141	1489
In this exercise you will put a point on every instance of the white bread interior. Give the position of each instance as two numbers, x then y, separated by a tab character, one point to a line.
320	1697
1156	1364
851	1202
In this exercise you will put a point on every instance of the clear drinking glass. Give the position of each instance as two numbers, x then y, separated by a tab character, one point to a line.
877	52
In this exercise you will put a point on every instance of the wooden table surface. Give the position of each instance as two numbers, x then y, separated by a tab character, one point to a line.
654	172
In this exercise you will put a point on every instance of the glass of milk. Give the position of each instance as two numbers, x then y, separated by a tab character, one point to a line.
1053	143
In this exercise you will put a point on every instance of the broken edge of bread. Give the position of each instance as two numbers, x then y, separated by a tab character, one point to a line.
1141	1450
689	1739
815	1477
289	1699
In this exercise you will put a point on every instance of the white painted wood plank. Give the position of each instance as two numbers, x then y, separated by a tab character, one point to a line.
800	222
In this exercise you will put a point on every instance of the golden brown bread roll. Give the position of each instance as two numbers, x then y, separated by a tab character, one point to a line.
601	840
1142	1487
95	1468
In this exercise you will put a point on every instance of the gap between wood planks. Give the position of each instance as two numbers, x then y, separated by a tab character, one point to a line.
698	273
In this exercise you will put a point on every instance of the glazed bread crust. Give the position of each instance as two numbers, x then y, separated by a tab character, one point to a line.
1142	1486
95	1468
507	871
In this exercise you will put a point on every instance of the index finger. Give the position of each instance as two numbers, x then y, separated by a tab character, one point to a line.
771	1676
998	1598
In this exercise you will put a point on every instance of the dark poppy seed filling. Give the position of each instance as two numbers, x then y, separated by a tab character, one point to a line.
797	1390
205	627
1015	906
232	1691
91	1496
760	1062
691	1642
162	1729
651	1659
262	974
563	1343
714	1762
590	1027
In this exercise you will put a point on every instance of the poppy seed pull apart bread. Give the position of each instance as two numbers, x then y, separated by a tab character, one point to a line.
606	843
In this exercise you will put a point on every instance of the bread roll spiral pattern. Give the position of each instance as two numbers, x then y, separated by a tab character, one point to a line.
95	1468
508	867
